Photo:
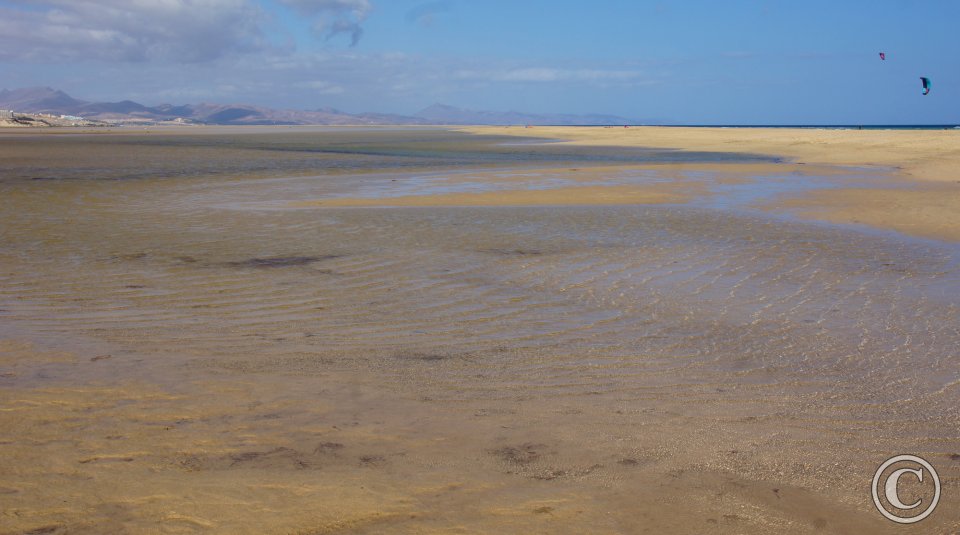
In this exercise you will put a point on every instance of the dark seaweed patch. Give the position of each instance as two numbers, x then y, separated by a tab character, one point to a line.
422	356
522	454
106	459
280	261
512	252
372	460
43	530
268	458
554	473
328	447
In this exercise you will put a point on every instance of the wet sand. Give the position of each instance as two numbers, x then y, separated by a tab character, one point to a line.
192	341
555	196
925	164
932	212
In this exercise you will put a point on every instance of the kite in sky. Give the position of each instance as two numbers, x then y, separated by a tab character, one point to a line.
926	85
883	56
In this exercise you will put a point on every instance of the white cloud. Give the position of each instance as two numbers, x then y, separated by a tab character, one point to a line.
128	30
180	31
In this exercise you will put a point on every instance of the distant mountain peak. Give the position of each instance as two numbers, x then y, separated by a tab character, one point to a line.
38	99
54	101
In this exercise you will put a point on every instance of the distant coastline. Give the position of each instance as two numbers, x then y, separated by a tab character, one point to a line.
46	107
13	119
46	100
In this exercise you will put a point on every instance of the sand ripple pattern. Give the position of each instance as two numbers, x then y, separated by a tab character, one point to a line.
575	300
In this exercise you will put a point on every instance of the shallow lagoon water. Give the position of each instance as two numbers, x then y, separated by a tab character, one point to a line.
185	351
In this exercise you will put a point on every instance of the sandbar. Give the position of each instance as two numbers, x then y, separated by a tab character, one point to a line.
915	188
583	195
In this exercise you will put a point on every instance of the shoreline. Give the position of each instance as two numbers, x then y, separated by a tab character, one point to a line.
916	190
929	155
913	186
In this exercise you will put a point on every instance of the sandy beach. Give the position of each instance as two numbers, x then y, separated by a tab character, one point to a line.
921	197
644	330
921	154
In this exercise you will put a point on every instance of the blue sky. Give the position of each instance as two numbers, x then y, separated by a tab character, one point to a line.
695	61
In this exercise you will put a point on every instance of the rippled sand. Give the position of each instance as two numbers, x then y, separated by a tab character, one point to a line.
192	341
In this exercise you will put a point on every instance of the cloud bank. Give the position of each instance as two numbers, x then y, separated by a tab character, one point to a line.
252	51
127	30
180	31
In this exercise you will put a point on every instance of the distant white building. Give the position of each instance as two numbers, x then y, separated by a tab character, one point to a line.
6	114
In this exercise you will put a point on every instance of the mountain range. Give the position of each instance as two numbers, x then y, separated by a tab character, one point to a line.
56	102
